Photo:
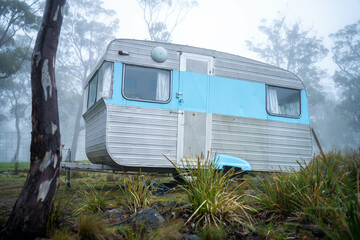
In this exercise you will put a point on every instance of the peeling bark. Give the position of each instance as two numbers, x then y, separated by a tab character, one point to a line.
32	209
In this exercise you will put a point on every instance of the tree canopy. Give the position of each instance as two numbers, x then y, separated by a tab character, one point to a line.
295	49
163	16
15	16
346	54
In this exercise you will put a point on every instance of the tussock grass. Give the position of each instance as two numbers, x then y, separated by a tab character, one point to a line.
136	192
110	177
325	192
62	202
212	233
78	174
62	234
170	230
212	193
345	220
92	227
93	200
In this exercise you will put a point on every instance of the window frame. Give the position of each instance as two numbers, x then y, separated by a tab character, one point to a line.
95	76
96	73
145	100
282	115
112	79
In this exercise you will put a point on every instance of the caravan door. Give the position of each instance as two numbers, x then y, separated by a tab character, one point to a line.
194	123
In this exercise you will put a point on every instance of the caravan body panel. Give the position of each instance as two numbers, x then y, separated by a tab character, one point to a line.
217	103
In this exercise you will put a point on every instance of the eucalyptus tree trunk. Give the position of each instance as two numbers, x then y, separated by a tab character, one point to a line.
18	139
32	209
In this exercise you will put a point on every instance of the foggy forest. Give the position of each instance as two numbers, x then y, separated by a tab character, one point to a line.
89	26
43	104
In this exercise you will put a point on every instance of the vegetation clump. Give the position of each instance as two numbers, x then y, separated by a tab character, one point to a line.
92	199
92	227
215	197
136	192
324	192
319	200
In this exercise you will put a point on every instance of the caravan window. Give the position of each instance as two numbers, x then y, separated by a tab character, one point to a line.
100	85
146	84
105	75
283	101
92	91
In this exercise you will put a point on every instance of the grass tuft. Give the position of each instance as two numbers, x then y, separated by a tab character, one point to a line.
212	233
93	200
58	210
325	192
92	227
171	230
62	235
213	194
136	191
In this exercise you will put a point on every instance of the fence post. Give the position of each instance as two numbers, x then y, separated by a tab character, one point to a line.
68	170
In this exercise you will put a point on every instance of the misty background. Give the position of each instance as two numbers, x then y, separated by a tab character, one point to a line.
317	40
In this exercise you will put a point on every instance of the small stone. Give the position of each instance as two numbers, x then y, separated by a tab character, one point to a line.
114	215
191	236
147	218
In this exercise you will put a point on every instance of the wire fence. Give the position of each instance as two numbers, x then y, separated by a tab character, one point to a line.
8	144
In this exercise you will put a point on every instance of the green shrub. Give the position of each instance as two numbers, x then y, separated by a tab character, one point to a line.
136	191
212	233
170	230
61	203
345	220
311	193
92	199
352	163
213	194
278	194
92	227
62	235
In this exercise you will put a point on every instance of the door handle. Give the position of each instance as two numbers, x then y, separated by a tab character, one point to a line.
178	94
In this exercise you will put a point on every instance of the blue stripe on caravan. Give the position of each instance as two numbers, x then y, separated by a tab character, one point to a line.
218	95
120	100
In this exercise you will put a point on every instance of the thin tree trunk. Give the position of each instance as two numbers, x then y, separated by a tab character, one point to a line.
77	130
32	209
18	139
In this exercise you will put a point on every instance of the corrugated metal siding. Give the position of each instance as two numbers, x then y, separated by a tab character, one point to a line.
138	137
267	145
140	53
225	65
95	120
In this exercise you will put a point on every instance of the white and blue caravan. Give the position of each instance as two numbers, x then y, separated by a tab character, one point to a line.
150	99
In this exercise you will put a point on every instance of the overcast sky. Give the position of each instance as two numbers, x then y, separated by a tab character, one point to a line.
225	25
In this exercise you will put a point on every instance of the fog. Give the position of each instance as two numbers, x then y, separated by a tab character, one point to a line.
230	26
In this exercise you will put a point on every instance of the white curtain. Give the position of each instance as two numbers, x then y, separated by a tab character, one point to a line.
107	81
163	88
272	101
292	108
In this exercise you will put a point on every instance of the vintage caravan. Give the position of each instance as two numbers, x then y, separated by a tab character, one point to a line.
149	99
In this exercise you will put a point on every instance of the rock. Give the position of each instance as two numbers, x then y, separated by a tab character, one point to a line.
191	236
316	230
147	219
114	215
